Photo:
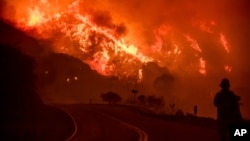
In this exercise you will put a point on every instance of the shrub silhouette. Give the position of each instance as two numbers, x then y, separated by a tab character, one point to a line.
111	97
141	100
155	102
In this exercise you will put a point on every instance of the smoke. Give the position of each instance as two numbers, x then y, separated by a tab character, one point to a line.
160	80
164	83
103	18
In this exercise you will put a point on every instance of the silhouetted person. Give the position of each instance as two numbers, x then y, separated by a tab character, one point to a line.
228	111
195	110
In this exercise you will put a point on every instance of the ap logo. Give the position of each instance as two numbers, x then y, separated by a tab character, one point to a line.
240	132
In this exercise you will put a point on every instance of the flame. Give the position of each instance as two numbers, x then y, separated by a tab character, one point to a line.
224	42
140	76
159	34
35	18
202	69
193	43
204	27
228	68
73	31
176	50
100	62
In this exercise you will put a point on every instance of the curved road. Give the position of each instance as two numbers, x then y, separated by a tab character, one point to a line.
114	123
93	125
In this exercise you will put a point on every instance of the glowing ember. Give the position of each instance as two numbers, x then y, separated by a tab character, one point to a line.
204	27
176	50
140	76
76	78
202	69
228	68
194	43
68	80
224	42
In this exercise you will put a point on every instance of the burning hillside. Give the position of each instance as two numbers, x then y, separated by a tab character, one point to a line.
191	39
91	35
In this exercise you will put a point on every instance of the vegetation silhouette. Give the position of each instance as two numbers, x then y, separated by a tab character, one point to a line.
172	108
155	102
141	100
151	101
179	113
111	97
228	109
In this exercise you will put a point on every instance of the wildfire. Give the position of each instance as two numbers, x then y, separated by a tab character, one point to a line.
75	32
95	45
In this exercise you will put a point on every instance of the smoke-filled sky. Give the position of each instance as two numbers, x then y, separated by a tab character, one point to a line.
175	48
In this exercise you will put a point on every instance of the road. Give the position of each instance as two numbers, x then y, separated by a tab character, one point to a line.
114	123
93	125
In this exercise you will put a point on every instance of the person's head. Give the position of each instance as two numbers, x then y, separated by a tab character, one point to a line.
225	84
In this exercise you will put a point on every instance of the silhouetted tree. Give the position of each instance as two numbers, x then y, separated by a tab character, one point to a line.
142	100
111	97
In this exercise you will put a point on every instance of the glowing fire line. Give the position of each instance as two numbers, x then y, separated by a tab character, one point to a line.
224	42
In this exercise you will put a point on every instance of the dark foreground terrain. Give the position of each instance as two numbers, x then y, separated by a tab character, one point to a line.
123	123
24	116
46	124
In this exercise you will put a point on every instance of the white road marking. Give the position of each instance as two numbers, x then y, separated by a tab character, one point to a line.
75	125
142	135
